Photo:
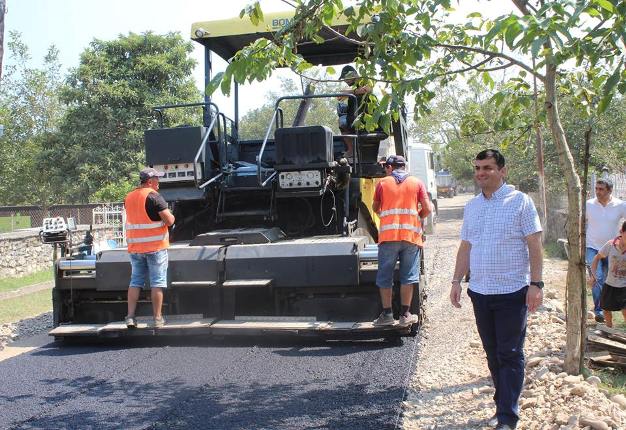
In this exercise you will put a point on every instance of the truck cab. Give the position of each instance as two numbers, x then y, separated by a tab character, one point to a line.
422	165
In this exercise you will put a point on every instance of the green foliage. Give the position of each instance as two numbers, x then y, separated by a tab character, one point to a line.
461	126
30	305
11	223
115	192
30	111
412	47
109	98
11	284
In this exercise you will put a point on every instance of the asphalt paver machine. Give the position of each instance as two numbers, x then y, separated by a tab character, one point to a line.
272	235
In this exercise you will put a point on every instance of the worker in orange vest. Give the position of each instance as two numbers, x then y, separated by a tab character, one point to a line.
401	201
147	220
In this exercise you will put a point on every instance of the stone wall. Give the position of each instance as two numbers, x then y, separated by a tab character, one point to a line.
22	253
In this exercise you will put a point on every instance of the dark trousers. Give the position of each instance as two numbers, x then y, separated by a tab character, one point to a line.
501	323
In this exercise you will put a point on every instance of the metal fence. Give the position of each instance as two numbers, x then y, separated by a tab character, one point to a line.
114	215
19	217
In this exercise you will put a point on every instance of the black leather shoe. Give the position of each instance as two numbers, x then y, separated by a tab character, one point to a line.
599	318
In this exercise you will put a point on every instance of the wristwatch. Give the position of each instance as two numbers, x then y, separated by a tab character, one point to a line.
538	284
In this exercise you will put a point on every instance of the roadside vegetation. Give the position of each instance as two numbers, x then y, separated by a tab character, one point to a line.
30	305
85	129
12	284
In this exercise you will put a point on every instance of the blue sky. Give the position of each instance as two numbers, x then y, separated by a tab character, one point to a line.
72	24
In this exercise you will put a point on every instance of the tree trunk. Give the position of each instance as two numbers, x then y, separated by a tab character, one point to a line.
541	174
541	182
576	263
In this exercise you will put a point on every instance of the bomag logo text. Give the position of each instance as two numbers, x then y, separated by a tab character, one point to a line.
281	22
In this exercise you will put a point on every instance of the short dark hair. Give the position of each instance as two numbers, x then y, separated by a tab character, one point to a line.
607	182
492	153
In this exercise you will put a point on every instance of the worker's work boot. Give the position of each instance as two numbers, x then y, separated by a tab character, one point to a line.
384	319
408	319
130	322
159	322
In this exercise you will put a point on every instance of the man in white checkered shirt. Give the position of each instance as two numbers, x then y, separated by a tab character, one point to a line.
501	248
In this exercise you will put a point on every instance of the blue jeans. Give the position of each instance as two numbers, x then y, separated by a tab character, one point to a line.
388	254
601	272
151	267
501	323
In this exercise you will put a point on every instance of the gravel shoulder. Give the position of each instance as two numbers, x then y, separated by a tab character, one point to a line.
451	387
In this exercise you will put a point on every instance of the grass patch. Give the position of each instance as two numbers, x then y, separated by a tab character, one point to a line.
10	223
30	305
10	284
613	380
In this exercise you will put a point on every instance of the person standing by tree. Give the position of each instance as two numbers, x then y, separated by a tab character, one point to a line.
604	213
614	290
501	246
401	201
147	220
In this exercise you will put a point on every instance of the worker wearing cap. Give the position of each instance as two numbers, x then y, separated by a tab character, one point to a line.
401	201
147	220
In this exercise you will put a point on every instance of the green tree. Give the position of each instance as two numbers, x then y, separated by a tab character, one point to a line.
109	98
419	46
30	111
460	126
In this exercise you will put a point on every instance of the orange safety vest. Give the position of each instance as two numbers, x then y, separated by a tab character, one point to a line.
143	234
399	214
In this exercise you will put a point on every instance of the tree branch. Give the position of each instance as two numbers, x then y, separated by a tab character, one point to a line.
523	6
492	54
471	66
493	69
346	38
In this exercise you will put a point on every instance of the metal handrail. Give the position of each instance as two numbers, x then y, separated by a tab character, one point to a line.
233	130
269	179
210	181
259	156
202	147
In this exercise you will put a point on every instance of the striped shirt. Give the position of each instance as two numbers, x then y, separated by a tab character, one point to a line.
497	228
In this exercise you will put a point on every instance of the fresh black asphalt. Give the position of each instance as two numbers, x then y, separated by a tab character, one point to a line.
198	384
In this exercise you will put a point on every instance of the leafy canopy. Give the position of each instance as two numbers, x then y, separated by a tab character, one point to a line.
109	98
414	47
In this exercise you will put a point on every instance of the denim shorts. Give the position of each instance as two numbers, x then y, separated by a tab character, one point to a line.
388	254
151	265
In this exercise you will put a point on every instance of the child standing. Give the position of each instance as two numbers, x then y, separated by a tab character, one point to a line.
613	296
